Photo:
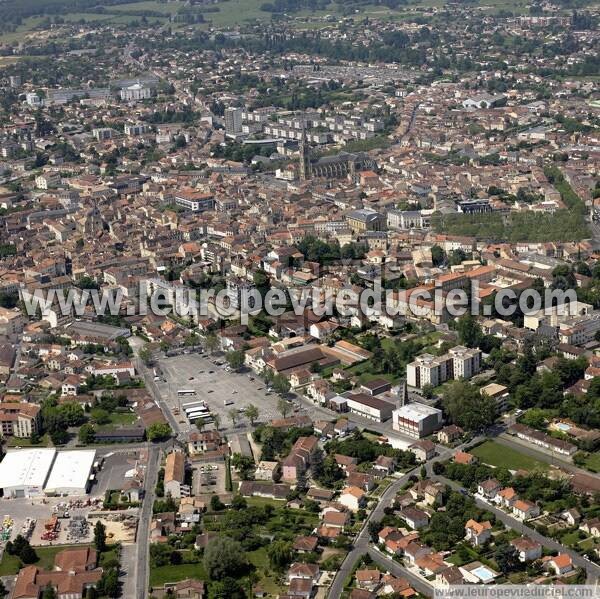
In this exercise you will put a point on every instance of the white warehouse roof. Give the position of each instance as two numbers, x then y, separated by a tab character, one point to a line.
71	472
416	411
26	468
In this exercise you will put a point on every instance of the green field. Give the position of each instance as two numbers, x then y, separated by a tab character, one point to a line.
268	578
159	576
592	462
26	442
240	12
118	420
500	456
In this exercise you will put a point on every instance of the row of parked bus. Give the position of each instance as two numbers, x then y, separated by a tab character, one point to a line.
195	410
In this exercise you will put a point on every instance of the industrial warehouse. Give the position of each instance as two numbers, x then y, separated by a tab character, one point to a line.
31	472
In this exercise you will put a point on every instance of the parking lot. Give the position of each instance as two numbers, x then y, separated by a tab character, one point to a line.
209	479
221	390
112	475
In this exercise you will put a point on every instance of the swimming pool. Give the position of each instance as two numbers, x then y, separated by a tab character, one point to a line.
484	574
562	426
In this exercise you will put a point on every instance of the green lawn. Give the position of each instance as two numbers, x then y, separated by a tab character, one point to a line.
162	7
592	462
18	442
261	501
118	420
268	578
364	372
11	564
495	454
159	576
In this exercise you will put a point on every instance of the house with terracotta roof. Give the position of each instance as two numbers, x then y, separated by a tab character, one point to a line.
300	588
353	498
298	461
368	579
506	497
75	571
431	564
305	544
175	475
462	457
478	532
397	586
336	519
527	549
524	510
561	564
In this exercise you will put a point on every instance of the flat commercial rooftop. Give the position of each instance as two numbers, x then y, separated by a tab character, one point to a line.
71	470
26	467
416	411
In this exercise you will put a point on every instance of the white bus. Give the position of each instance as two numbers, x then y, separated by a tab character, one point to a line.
192	404
183	392
205	416
201	411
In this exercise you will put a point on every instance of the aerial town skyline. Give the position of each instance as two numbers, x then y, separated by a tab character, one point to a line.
299	299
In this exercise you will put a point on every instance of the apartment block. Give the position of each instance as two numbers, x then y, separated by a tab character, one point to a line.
427	369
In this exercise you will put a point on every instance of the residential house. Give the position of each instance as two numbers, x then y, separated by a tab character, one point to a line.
478	532
298	461
175	475
306	544
368	579
506	497
385	464
266	470
561	564
488	488
591	526
414	517
424	449
449	433
353	498
527	549
524	510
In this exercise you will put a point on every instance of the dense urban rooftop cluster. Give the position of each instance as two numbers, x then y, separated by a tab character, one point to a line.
430	170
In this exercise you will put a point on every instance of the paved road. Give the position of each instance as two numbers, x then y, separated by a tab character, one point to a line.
593	571
142	545
418	583
361	544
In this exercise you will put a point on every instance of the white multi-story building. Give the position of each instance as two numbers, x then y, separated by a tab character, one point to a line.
427	369
135	93
34	100
134	129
